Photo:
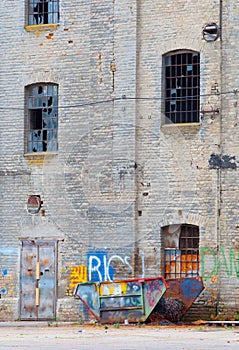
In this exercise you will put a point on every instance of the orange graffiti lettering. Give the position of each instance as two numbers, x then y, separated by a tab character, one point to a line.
78	275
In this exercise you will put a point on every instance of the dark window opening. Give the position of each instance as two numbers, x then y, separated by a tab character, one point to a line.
182	87
42	123
43	12
181	251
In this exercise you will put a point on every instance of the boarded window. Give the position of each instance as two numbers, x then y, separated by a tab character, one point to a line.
43	12
181	251
42	117
182	87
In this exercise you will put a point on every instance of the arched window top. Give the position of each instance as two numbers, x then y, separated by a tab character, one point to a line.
176	51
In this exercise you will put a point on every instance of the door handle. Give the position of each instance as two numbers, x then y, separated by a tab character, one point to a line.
38	270
37	296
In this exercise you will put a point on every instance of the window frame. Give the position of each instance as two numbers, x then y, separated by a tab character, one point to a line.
182	260
41	17
186	94
41	122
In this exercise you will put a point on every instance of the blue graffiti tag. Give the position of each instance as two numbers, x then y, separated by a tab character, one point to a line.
191	288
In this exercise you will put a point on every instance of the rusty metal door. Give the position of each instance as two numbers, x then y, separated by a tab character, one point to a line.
38	275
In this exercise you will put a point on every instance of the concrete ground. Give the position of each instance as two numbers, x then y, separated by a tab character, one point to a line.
58	336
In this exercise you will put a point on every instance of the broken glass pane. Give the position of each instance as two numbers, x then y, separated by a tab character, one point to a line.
44	123
40	90
42	117
44	135
173	92
54	113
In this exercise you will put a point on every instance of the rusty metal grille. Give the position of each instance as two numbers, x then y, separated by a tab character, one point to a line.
43	12
182	87
42	118
183	261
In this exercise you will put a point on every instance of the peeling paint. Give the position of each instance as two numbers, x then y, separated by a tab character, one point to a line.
217	161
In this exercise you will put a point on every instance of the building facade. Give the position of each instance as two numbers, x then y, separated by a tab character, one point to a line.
119	150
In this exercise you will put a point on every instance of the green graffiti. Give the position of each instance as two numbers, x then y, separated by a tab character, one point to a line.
208	251
221	259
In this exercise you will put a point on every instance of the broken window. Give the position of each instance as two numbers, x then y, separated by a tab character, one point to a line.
181	251
43	12
42	104
182	87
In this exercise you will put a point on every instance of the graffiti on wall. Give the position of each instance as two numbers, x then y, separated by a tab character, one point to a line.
227	260
78	275
3	290
100	266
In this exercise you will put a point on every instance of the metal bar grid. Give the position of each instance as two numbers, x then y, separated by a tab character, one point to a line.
182	87
183	261
43	12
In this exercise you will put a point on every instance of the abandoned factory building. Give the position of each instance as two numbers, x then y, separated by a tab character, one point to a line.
119	150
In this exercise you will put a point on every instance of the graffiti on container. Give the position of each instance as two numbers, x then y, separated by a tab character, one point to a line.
88	293
113	288
153	291
120	316
3	290
121	302
78	275
228	261
191	287
89	296
100	266
130	291
133	287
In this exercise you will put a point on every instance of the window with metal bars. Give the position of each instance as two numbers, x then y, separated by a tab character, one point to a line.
43	12
182	87
181	253
42	117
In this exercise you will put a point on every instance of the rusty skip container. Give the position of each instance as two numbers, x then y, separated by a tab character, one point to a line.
114	302
178	299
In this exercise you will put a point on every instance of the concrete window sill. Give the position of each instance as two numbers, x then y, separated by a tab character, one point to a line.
41	28
40	157
181	125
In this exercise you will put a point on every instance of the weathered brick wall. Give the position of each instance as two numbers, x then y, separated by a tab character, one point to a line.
181	189
229	243
87	205
119	175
